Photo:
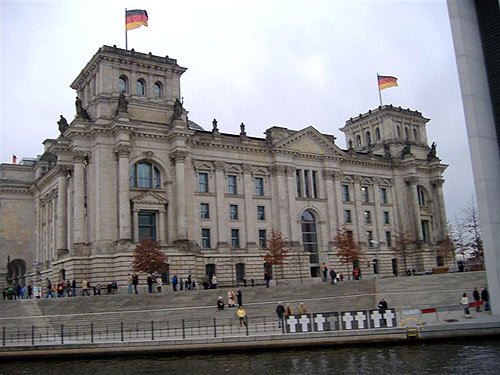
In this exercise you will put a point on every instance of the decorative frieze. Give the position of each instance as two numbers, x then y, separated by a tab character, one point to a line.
277	170
123	150
179	156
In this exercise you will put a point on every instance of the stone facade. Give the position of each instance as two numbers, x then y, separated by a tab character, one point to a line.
134	166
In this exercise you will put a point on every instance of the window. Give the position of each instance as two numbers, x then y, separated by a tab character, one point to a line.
233	212
204	211
298	179
262	238
231	184
369	238
240	272
261	213
386	217
123	84
388	238
368	138
365	196
147	226
415	135
425	230
368	217
347	216
259	186
377	134
145	175
421	196
306	184
158	90
310	241
203	182
407	134
315	184
140	87
205	238
358	140
398	131
345	193
383	196
235	238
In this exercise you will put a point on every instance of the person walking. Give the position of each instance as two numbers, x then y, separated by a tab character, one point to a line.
280	311
486	299
85	287
288	310
231	297
302	309
73	287
239	297
241	313
477	299
130	284
333	275
214	282
135	282
465	304
149	281
325	273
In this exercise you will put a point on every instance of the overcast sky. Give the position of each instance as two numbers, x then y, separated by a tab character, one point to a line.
281	62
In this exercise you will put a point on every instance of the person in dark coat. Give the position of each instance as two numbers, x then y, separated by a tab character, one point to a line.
239	297
477	298
280	311
486	299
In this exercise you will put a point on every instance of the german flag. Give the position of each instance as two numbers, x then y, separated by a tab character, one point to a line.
386	81
135	18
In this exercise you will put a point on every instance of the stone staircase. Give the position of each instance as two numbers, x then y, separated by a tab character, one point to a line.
196	308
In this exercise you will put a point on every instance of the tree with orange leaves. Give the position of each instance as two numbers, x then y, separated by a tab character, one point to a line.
277	249
348	250
149	258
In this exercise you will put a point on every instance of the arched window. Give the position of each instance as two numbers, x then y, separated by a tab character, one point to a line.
415	135
123	84
377	134
398	131
144	175
368	137
158	90
140	87
358	140
310	241
407	134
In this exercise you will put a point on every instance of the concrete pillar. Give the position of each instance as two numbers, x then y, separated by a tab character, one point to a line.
293	226
220	203
62	209
79	158
415	207
125	227
250	208
443	223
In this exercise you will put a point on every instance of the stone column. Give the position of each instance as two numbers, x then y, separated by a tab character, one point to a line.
358	220
438	185
220	202
136	224
250	209
62	209
125	227
293	226
337	188
283	212
79	158
413	183
179	159
378	216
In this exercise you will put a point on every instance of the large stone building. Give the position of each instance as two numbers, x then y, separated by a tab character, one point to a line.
132	166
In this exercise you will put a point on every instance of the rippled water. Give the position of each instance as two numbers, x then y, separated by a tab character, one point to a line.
471	357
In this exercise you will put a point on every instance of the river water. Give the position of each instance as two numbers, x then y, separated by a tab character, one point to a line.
460	357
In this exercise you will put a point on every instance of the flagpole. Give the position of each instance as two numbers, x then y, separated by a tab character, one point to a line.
379	92
126	40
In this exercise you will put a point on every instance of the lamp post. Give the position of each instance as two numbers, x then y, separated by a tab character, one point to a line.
377	248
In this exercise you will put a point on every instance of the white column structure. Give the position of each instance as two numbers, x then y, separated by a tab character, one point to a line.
220	202
413	182
125	225
179	159
250	209
79	158
443	223
295	235
62	209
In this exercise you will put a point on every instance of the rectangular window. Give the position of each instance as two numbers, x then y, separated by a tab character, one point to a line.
204	211
298	179
147	226
233	212
388	238
387	219
346	197
315	184
205	238
262	238
261	213
259	186
425	230
235	238
347	216
369	238
368	217
365	197
383	196
231	184
203	182
306	184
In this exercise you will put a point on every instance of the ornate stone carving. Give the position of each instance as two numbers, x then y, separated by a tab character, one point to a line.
62	170
327	174
413	180
179	156
277	170
123	150
63	124
357	179
247	168
337	175
290	171
437	183
219	165
80	156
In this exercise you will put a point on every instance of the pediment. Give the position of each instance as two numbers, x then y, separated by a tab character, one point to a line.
150	198
310	141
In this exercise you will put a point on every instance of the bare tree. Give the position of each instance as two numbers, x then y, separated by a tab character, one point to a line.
446	248
277	250
149	258
404	244
348	250
473	230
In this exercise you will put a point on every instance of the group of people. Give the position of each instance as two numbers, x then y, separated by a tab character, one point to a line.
284	312
336	277
232	298
482	298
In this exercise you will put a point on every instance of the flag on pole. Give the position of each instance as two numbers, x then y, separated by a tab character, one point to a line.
135	18
386	81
